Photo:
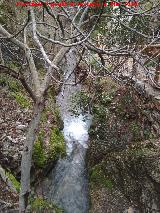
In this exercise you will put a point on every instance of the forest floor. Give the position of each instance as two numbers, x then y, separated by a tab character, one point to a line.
13	123
8	199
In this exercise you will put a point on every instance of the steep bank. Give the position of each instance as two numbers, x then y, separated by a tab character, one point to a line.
124	154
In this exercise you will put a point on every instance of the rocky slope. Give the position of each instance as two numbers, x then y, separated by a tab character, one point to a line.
124	156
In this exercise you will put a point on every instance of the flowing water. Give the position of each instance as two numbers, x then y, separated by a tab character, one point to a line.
68	182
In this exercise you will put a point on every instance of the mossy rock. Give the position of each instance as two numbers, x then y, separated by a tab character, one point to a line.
56	148
57	145
13	180
39	155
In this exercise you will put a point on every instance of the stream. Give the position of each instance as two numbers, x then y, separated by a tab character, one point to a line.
67	183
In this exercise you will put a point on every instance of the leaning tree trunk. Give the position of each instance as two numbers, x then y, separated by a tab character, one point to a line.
27	156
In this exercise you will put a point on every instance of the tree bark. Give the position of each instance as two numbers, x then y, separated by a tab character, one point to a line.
27	156
157	73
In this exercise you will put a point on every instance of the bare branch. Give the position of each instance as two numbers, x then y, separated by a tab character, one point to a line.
38	42
19	76
36	80
28	55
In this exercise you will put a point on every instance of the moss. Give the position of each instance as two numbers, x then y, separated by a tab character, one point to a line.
21	99
16	90
39	205
97	177
57	145
14	181
55	148
43	152
39	155
12	85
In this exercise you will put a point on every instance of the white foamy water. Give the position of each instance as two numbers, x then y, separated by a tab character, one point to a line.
76	131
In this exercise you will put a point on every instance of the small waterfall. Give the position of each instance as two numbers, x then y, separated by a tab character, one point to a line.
68	181
75	132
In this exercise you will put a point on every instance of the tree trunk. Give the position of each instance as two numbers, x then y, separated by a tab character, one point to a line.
27	156
157	73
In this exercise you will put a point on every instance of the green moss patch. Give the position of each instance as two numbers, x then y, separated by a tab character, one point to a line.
98	178
39	155
55	148
21	99
57	145
16	91
41	205
14	181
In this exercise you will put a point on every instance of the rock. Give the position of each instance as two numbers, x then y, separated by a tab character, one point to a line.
21	127
6	180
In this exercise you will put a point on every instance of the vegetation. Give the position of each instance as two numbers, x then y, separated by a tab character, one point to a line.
57	145
41	205
39	155
52	151
23	101
116	61
13	180
99	179
16	91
